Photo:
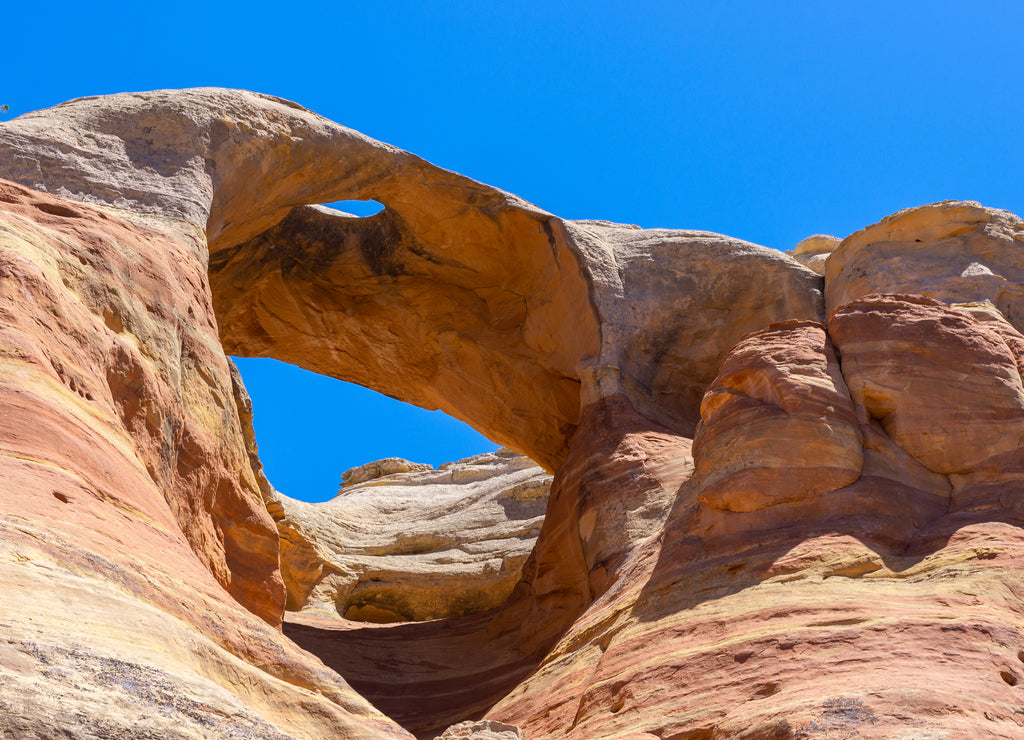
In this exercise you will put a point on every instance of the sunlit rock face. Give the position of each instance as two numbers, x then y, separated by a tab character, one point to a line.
813	251
142	594
404	542
766	520
954	251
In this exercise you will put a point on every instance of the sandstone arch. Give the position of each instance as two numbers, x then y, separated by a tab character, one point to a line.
457	296
668	590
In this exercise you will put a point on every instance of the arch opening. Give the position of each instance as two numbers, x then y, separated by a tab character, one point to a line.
431	519
360	208
312	428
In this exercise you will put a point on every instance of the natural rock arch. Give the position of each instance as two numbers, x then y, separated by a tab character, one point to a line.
669	586
457	296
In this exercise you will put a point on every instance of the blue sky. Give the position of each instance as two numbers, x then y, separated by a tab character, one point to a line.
768	121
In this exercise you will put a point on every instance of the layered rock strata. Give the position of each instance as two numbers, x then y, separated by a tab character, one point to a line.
405	542
142	595
765	521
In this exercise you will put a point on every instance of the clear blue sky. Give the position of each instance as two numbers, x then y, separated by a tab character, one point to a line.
768	121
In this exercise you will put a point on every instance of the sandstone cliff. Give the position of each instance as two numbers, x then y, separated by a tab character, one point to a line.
765	520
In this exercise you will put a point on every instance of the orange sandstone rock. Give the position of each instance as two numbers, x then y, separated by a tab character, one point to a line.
139	566
777	423
455	296
813	251
944	386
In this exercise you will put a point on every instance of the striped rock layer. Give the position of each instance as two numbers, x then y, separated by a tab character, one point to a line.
765	520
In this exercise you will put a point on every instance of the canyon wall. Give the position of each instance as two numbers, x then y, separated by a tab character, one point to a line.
784	500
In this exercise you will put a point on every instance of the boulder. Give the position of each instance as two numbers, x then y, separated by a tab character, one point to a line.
482	730
813	251
777	424
945	387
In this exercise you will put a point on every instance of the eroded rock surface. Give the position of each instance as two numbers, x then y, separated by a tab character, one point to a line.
953	251
456	296
139	566
783	605
405	542
482	730
762	439
765	521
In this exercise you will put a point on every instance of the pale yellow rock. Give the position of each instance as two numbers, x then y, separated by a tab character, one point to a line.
381	468
813	251
484	729
415	543
954	251
816	244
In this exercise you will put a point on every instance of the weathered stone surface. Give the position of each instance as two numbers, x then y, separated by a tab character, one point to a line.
483	730
740	623
607	508
455	296
794	636
944	386
658	602
131	530
414	543
380	469
813	251
952	251
777	423
96	340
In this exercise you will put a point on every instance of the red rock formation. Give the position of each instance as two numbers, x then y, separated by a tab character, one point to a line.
869	610
837	552
762	440
133	535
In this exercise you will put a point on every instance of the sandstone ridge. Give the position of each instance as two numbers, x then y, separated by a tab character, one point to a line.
765	520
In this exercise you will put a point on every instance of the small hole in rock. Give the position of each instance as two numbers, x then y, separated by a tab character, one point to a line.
1020	655
60	497
1008	677
619	703
361	208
